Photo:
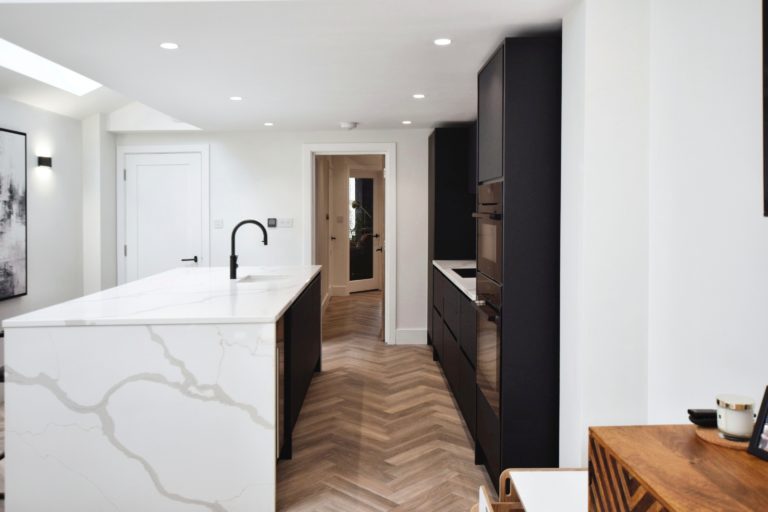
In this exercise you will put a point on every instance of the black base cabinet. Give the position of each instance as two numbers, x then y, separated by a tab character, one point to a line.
454	343
300	358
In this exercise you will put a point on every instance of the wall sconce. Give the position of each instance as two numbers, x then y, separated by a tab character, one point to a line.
45	161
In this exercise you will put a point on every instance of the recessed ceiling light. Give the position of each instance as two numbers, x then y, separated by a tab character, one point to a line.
236	98
169	46
406	122
41	69
419	96
442	41
269	124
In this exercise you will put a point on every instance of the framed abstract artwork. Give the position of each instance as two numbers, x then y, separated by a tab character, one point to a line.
13	214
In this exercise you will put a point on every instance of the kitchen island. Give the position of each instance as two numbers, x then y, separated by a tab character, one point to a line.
164	394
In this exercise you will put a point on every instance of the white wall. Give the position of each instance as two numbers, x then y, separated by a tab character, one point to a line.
54	207
99	252
258	175
605	220
664	246
709	240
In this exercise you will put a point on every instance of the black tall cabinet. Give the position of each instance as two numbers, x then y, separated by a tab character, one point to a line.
452	182
519	107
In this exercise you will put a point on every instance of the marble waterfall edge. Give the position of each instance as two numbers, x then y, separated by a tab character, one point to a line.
141	417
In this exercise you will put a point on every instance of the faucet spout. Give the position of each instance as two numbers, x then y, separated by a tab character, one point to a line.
233	256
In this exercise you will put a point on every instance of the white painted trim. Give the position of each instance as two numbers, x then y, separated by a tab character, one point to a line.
338	290
411	336
122	152
389	150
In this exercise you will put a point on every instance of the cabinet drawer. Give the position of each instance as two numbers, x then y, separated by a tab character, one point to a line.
466	395
439	283
437	334
451	361
468	329
451	297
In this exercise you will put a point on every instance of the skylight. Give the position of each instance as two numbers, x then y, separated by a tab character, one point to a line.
34	66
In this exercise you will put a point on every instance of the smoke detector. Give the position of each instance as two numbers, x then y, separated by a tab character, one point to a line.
348	125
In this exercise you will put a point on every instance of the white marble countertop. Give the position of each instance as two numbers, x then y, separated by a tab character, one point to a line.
183	296
467	285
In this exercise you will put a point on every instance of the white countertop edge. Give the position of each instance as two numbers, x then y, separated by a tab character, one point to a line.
462	283
20	322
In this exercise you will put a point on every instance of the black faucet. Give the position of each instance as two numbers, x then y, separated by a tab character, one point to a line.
233	256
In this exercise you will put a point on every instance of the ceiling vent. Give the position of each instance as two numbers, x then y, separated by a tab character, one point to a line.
348	125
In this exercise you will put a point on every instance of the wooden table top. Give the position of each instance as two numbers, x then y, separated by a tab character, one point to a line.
686	473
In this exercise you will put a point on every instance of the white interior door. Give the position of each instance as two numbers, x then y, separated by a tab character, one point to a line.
165	219
366	231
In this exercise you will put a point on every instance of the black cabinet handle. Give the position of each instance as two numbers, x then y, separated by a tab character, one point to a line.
489	216
333	238
379	249
190	259
376	235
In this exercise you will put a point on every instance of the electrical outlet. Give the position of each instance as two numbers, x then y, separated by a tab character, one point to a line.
285	223
218	223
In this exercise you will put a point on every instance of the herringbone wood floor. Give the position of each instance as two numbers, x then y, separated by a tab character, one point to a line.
379	429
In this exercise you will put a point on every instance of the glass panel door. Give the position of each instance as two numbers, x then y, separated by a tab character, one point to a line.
360	228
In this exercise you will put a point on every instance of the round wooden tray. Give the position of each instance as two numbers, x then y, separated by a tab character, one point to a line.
712	435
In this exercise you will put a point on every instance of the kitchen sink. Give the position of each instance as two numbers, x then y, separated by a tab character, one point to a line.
466	272
261	278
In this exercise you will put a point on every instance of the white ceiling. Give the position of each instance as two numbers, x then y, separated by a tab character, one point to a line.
299	64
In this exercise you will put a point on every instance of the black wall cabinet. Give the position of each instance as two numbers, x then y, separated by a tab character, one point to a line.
451	201
490	118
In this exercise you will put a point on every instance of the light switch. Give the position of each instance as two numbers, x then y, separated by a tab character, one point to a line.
285	223
218	223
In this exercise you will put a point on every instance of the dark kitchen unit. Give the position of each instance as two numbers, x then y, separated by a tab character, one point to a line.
299	345
454	338
518	255
452	185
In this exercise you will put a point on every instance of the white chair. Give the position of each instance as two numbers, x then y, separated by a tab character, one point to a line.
538	490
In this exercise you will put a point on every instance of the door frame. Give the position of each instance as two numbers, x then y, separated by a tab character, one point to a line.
120	200
389	150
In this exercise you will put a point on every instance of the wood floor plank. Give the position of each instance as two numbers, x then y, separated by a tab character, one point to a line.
379	430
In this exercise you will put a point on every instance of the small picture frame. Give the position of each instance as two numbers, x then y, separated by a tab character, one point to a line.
758	445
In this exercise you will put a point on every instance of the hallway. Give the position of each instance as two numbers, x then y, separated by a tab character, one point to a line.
379	429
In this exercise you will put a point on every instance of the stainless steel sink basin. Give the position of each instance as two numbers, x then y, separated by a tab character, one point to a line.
261	278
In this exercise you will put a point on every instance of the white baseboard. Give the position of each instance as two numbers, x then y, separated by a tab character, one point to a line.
411	336
325	300
338	291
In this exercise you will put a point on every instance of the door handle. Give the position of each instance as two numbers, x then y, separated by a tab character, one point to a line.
190	259
333	238
376	235
379	249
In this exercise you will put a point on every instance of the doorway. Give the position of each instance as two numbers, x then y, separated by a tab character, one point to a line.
163	210
350	224
366	229
350	227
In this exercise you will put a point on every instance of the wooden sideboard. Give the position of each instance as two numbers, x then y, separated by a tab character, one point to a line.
668	468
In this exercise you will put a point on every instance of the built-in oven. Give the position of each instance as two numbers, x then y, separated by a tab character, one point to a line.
489	230
488	312
488	373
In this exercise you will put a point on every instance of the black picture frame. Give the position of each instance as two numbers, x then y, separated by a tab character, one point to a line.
761	426
25	290
765	108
